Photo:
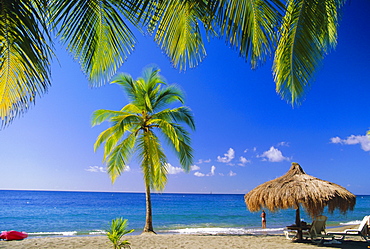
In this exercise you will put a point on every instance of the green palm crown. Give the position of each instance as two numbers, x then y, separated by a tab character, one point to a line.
135	128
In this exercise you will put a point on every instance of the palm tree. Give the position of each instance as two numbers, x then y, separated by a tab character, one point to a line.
135	129
296	33
117	230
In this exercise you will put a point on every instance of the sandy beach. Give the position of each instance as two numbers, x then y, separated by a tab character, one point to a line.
174	241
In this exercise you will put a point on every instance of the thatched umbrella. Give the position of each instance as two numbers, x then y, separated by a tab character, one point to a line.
296	188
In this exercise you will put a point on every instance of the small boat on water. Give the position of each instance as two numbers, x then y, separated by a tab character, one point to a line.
13	235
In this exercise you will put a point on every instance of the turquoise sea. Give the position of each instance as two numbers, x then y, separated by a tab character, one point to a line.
62	213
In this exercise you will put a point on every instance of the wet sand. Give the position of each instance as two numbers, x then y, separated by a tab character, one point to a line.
174	241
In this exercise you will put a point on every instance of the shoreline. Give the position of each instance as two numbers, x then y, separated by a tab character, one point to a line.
174	241
187	241
188	231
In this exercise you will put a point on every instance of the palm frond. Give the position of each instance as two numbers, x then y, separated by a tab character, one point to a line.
170	94
177	27
112	135
112	140
118	158
153	160
181	114
151	84
128	121
131	108
147	12
185	154
24	56
250	27
96	34
178	33
151	78
102	115
103	136
169	130
177	138
128	84
308	30
117	230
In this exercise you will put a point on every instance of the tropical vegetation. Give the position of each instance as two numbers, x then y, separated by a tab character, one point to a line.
118	228
99	33
136	130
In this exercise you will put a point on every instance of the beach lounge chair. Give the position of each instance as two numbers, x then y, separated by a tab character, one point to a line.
362	230
316	233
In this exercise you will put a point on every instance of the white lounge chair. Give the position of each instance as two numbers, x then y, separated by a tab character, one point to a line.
317	231
362	230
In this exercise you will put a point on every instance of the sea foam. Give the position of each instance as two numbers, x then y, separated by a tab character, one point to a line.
67	233
71	233
221	230
353	222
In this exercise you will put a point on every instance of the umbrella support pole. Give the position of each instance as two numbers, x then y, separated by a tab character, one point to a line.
298	224
297	217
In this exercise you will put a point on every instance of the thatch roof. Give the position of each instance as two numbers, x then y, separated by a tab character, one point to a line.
297	188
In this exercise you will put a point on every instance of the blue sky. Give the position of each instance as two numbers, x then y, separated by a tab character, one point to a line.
246	134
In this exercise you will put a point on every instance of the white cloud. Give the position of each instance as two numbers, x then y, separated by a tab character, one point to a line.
231	173
227	157
364	141
213	168
283	144
335	140
96	169
243	161
173	170
273	155
200	161
198	174
212	173
127	168
194	167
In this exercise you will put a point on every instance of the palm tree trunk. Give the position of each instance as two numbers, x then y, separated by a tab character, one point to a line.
148	228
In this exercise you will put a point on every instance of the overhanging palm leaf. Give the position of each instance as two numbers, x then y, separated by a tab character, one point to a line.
95	31
250	26
179	35
24	56
308	30
96	34
176	25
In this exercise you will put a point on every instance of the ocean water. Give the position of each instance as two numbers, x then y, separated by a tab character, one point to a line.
59	213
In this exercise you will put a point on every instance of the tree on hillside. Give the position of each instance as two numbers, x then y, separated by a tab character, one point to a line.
135	129
295	33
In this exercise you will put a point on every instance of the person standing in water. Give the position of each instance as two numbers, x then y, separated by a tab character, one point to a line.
263	216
